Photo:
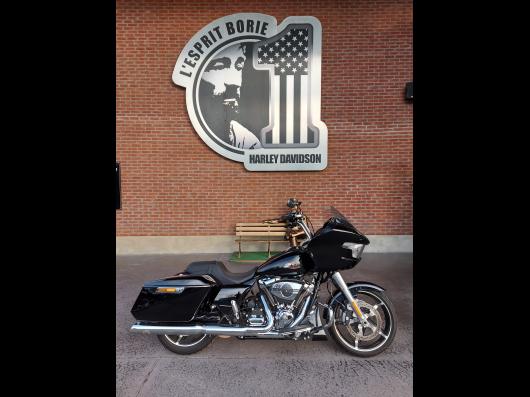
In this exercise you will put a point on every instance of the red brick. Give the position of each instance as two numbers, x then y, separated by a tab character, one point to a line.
173	184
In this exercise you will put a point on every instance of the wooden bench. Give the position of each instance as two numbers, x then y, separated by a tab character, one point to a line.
262	233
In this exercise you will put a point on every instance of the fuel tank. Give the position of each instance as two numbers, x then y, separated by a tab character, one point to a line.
287	263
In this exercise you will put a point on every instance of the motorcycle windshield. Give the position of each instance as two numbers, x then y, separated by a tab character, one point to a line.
336	219
332	212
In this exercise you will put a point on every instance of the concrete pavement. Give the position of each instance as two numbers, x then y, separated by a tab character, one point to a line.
233	367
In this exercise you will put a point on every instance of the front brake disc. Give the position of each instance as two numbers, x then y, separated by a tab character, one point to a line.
366	333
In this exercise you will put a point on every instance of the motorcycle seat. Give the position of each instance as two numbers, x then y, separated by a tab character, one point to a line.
219	272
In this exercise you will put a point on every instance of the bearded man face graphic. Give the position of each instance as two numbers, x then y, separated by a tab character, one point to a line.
220	95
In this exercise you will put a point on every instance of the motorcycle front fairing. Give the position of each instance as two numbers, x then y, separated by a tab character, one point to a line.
328	248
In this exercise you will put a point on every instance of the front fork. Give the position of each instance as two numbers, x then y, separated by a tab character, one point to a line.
339	282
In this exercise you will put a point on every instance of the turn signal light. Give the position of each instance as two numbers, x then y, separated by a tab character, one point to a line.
169	290
166	289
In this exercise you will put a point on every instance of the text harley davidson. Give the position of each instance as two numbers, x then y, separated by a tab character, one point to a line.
284	158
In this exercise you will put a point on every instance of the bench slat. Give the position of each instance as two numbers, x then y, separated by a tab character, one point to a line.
260	229
261	241
260	234
261	224
254	232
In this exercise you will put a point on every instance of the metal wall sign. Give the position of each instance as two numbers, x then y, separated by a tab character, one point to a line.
253	90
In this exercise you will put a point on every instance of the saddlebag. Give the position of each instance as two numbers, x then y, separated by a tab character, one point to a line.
172	299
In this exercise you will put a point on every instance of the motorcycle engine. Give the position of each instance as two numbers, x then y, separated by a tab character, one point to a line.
287	297
285	292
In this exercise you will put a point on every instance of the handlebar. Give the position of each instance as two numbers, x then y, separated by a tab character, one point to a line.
291	217
294	218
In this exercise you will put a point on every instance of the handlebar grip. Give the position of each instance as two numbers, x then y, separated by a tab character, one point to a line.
291	217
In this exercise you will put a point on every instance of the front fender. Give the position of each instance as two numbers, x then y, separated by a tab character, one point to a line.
355	287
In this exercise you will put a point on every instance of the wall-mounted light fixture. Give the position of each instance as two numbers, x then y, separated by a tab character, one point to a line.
118	187
408	91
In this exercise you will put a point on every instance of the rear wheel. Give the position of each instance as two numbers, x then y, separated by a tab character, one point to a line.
185	344
364	341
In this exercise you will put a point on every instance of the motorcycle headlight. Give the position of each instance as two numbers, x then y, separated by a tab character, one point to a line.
356	249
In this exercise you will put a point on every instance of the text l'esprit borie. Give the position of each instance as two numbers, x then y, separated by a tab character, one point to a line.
215	34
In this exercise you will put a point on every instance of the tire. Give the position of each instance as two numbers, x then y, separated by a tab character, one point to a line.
186	344
380	342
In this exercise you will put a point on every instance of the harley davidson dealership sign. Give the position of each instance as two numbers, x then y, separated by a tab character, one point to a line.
253	91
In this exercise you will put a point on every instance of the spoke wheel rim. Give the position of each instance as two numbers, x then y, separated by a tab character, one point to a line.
383	330
185	340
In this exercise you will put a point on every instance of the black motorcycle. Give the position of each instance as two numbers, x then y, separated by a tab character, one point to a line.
278	299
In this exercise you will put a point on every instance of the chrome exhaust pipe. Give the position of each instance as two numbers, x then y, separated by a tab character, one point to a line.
302	314
207	329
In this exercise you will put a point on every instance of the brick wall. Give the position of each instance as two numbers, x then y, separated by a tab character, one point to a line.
173	184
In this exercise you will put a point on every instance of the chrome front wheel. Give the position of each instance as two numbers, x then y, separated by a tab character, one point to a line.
366	339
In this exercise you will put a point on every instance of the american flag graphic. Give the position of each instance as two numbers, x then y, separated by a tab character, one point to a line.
290	86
